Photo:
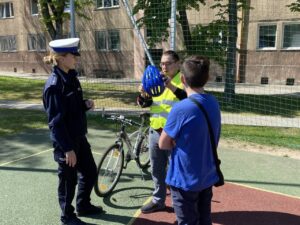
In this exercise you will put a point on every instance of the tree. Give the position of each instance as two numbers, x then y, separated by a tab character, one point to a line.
229	90
295	6
229	10
53	14
156	14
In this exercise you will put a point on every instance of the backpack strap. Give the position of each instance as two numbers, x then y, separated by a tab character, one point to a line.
212	141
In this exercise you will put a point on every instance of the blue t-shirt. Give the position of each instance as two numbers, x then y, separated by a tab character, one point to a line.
192	166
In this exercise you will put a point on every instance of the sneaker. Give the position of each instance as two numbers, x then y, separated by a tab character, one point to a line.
91	210
73	221
152	207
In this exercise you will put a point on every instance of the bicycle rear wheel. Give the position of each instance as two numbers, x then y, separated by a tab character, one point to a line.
109	170
143	153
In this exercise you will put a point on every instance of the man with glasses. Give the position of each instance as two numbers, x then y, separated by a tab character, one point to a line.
159	108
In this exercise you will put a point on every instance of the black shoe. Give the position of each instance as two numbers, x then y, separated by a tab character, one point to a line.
152	207
91	210
73	221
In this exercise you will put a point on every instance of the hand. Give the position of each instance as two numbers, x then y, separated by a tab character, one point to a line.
166	79
71	158
168	83
90	104
144	94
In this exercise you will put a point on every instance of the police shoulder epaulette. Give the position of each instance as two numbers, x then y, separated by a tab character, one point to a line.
53	80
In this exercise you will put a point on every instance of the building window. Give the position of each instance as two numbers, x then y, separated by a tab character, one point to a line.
34	7
8	43
291	36
107	40
107	3
36	42
267	37
6	10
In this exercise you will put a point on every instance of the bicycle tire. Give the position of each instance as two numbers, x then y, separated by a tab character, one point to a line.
143	153
109	170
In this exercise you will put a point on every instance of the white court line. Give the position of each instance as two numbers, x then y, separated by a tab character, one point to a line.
26	157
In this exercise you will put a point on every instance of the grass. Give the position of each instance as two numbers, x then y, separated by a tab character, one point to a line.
276	137
104	94
272	105
21	89
15	121
123	96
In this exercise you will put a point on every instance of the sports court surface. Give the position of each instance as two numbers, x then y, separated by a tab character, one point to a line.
260	190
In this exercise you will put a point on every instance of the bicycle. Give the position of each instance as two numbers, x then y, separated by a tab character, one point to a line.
111	165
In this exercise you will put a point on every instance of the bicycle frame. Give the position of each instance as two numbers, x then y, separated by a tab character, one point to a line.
114	159
124	138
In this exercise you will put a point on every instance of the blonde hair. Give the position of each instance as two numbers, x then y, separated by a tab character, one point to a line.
52	58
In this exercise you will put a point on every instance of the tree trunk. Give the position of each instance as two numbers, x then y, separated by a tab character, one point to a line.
183	20
46	17
229	90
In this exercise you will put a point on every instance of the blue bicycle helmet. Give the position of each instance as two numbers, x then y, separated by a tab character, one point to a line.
152	81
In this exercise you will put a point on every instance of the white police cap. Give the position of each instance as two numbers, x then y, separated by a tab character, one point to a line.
68	45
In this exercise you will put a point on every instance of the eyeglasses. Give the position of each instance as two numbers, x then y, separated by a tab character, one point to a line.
166	63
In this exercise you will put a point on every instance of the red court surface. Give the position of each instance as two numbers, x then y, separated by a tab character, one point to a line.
239	205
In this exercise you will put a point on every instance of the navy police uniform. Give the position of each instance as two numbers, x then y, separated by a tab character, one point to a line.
65	107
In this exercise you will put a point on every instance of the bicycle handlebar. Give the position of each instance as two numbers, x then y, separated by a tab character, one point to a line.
122	119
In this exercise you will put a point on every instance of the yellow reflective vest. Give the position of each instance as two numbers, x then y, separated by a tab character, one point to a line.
162	104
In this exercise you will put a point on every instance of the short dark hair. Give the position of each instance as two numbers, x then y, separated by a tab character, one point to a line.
173	55
195	69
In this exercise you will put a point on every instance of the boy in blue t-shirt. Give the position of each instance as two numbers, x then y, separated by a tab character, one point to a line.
192	171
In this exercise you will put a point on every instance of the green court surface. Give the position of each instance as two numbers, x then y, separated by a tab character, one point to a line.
29	181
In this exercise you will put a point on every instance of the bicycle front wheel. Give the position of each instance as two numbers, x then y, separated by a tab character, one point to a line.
143	153
109	170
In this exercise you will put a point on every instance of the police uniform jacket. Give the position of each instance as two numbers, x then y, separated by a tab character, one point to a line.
65	107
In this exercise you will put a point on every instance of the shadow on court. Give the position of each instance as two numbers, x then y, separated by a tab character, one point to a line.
239	205
29	187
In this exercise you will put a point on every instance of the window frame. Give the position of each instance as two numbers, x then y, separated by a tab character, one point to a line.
31	8
9	39
38	45
107	40
10	9
283	36
258	36
102	5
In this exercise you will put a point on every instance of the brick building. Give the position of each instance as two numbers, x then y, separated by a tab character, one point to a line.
268	41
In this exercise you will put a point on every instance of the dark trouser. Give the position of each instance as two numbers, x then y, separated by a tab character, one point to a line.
192	208
84	172
159	161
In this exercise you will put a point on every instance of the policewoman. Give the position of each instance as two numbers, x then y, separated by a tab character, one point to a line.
66	110
160	107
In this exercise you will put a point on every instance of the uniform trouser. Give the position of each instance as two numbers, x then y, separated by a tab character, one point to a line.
159	161
84	173
192	207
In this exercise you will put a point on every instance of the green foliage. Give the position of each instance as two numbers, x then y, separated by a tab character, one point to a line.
211	41
156	14
53	15
224	7
295	6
